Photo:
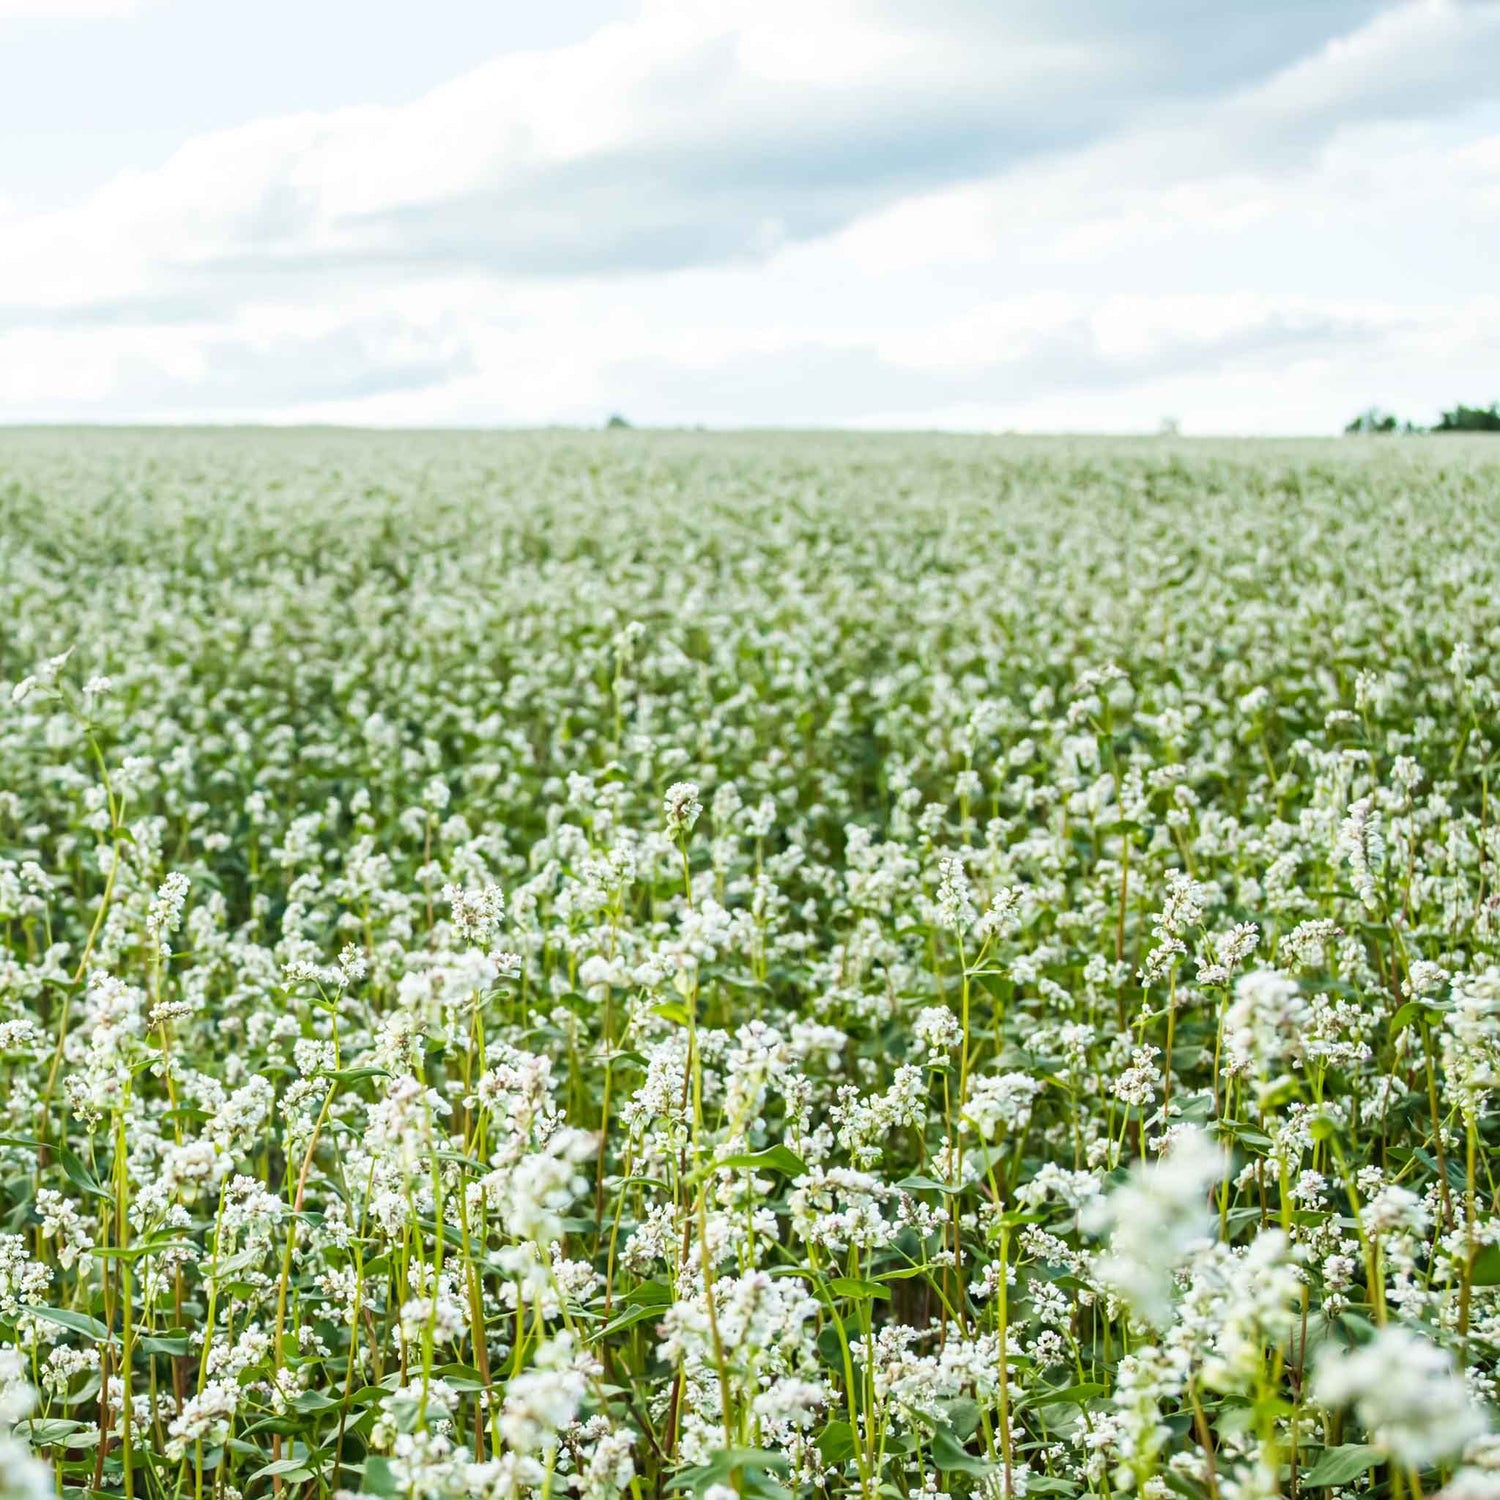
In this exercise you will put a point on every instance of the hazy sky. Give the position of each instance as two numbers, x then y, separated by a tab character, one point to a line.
1039	214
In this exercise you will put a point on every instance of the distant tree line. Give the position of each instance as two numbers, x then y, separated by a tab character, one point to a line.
1460	419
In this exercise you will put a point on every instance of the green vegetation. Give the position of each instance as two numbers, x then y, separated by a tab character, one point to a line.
650	964
1460	419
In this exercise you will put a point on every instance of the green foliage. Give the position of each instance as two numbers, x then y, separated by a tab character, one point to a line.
552	966
1373	420
1470	419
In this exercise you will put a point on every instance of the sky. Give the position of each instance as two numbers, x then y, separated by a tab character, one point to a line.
1248	216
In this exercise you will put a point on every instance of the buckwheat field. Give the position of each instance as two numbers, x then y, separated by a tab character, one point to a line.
678	965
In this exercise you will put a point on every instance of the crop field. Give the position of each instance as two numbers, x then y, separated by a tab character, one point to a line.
669	964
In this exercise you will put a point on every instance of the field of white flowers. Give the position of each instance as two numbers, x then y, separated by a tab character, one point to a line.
678	965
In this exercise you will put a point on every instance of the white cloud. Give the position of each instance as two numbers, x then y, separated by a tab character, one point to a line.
770	213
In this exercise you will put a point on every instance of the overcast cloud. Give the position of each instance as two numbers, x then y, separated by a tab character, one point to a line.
1063	215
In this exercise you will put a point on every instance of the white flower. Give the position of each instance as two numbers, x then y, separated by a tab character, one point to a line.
937	1029
1263	1028
1360	842
1156	1220
165	916
955	896
682	807
1407	1394
1000	1100
541	1401
477	914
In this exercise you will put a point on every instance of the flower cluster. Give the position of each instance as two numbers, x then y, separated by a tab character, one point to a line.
539	967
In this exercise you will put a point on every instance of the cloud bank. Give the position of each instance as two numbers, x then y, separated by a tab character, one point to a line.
1059	215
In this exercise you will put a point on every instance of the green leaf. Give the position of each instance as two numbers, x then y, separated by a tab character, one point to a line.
927	1184
830	1349
648	1294
1246	1133
751	1463
630	1319
775	1158
1486	1268
139	1250
1074	1395
309	1401
1428	1160
1414	1011
906	1273
232	1265
77	1322
860	1291
286	1468
949	1455
54	1432
836	1443
962	1417
79	1174
73	1167
378	1477
177	1341
1340	1465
